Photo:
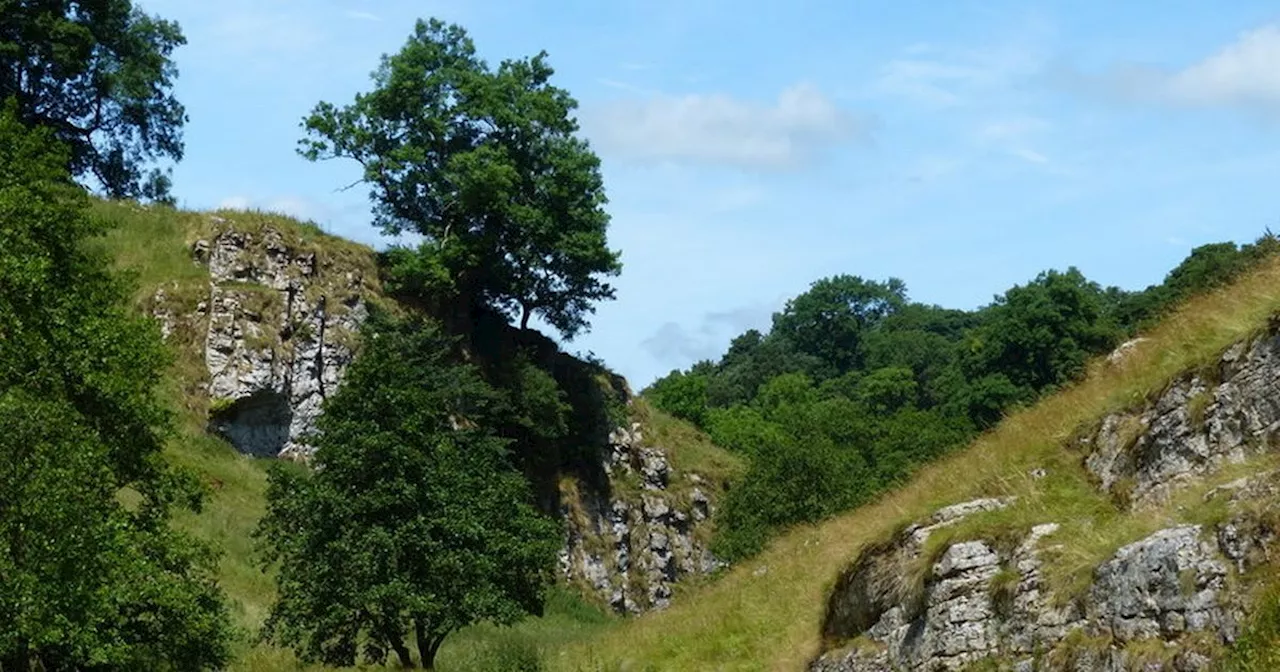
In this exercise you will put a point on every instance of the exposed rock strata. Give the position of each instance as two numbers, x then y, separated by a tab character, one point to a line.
278	340
1201	422
980	602
630	545
274	328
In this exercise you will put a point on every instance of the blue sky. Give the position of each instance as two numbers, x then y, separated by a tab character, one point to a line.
752	147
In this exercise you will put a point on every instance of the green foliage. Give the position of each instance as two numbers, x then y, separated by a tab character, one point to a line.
442	533
486	165
1040	334
93	574
1258	648
682	395
828	321
97	74
857	381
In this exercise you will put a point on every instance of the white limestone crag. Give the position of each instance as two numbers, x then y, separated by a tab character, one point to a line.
630	547
1200	423
281	322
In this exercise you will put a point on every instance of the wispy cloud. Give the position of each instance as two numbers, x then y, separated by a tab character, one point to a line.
251	32
1242	74
673	344
1029	155
362	16
950	77
722	129
293	206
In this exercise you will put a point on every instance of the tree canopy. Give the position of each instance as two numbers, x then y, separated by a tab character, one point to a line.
855	386
93	575
98	74
485	165
442	533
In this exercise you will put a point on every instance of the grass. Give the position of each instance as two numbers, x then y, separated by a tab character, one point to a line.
766	613
154	245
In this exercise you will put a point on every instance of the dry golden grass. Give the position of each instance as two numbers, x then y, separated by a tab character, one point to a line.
767	612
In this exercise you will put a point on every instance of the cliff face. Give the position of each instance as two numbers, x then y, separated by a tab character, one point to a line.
629	543
1171	600
269	337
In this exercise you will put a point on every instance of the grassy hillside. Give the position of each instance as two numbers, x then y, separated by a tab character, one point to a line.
767	613
154	244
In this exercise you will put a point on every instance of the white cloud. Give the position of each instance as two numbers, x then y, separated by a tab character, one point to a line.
720	129
363	16
677	345
234	203
293	206
947	78
1029	155
1243	74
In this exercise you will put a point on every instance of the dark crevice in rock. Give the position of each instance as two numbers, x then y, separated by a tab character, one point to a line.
257	424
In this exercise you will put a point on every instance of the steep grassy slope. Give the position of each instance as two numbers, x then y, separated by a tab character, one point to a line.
154	244
767	613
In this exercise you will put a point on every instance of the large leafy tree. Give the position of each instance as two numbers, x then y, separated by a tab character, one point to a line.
830	319
1041	334
413	523
485	165
98	74
91	574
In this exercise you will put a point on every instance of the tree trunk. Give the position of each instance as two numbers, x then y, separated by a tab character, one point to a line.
427	646
524	317
18	661
402	652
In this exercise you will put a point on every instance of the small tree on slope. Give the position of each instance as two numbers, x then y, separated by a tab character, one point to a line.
86	582
485	165
412	523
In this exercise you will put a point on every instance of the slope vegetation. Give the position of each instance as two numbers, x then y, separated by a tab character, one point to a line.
154	244
767	613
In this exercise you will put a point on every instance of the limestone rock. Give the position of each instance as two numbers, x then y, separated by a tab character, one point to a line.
277	341
1194	428
654	539
1158	589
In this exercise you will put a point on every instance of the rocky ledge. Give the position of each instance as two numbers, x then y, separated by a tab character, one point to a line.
1162	602
1170	601
281	325
630	542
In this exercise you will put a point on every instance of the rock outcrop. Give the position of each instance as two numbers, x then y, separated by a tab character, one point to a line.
1169	601
978	601
281	324
273	329
1201	422
628	542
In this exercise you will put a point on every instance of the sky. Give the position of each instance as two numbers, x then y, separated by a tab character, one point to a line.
750	147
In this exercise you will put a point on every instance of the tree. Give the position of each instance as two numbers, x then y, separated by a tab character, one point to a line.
828	321
413	520
683	395
1040	334
486	167
98	74
88	582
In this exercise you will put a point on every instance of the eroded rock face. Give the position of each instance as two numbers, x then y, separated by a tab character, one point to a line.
280	332
979	602
1194	428
628	547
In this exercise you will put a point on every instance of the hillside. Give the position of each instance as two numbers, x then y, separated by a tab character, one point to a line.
786	606
259	307
772	612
